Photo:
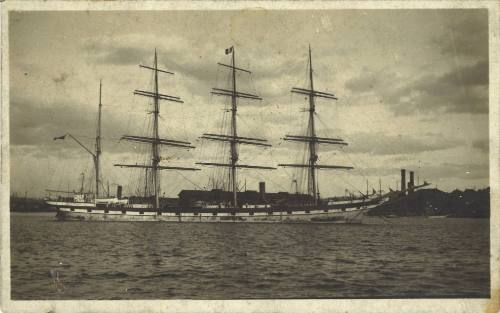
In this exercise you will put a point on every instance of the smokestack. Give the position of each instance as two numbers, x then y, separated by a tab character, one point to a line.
412	181
403	181
262	191
119	192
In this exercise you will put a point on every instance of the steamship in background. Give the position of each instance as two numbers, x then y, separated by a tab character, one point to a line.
227	204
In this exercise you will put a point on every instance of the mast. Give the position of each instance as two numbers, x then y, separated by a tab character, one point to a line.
154	144
97	153
312	132
233	138
311	139
98	145
234	152
156	141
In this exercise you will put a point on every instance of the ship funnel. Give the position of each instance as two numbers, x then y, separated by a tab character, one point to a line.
411	183
262	191
403	181
119	192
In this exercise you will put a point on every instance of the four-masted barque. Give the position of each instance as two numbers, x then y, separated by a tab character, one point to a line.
231	204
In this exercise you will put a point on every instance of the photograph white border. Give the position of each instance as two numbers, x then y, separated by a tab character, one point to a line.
334	305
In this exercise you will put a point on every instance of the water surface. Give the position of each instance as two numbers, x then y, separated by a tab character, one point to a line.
401	257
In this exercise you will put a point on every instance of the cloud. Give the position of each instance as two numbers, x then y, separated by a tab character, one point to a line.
387	67
127	49
465	34
481	145
196	61
455	81
61	78
371	81
472	75
132	49
381	144
123	55
47	120
460	90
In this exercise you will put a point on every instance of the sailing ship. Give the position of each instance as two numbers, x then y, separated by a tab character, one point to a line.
294	208
82	200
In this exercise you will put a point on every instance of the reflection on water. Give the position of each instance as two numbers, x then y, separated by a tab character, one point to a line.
406	257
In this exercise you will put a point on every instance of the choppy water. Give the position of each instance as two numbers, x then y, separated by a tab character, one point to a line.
407	257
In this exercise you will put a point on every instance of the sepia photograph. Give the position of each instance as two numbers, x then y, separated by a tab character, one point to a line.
248	153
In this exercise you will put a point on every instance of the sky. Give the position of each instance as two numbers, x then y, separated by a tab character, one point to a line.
412	88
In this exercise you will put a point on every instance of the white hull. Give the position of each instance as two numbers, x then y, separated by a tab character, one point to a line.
89	212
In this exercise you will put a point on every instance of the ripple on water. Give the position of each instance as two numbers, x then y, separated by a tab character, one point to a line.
216	261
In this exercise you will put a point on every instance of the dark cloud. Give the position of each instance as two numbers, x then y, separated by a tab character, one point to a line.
34	133
105	53
460	90
61	78
463	90
481	145
469	76
201	68
47	121
197	73
371	81
44	121
463	38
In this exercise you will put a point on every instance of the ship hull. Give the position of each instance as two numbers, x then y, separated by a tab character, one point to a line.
141	213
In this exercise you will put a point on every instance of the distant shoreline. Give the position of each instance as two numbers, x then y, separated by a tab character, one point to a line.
469	203
426	203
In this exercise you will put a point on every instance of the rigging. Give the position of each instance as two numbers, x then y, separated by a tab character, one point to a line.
311	139
233	139
155	141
